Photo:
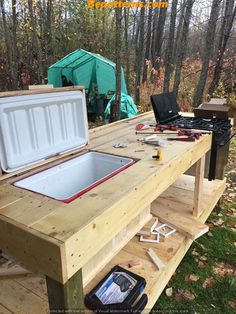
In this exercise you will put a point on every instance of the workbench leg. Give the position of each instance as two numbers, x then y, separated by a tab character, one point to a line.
66	298
199	176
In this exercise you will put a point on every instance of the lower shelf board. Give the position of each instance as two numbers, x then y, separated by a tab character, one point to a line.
170	250
28	294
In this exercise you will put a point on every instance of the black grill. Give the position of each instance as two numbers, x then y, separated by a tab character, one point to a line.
166	111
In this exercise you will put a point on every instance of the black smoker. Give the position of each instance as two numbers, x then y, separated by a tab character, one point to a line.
213	119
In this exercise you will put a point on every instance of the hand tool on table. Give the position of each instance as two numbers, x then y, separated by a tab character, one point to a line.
142	126
179	133
163	127
182	139
159	155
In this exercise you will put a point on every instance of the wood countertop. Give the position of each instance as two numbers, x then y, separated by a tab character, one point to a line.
58	239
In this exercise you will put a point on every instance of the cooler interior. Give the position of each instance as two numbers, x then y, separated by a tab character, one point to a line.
75	177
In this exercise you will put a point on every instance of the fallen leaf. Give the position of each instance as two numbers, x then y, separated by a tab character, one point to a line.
208	282
203	258
218	222
232	304
193	278
201	264
169	292
223	269
195	253
184	294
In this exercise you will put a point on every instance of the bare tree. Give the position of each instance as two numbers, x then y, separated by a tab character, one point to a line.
159	37
10	46
115	108
127	48
148	43
139	56
209	40
227	23
36	41
170	46
181	48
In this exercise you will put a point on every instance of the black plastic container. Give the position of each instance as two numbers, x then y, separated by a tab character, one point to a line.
119	284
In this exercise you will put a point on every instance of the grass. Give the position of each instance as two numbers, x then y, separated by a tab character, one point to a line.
212	261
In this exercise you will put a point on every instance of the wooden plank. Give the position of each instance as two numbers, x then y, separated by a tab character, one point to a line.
41	86
156	260
20	300
4	310
36	284
185	225
31	208
68	297
36	251
197	199
9	195
40	91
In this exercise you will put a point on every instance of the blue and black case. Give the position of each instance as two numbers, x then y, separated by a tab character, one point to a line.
135	301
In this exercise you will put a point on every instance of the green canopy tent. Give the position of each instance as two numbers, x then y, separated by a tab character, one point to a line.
91	70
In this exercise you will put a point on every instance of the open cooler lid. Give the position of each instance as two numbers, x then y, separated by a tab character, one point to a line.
35	127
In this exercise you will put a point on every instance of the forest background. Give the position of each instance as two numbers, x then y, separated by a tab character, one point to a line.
188	48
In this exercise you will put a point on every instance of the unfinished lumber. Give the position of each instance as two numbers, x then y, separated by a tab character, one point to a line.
185	225
156	260
100	259
68	297
199	176
40	91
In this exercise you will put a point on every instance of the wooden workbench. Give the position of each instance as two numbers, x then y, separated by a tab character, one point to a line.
76	244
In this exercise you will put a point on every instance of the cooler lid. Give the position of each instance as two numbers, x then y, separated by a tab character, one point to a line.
35	127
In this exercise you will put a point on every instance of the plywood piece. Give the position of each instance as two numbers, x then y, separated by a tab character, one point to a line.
198	189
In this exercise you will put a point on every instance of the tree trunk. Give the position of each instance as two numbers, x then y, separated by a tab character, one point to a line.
210	35
229	16
139	56
48	34
9	48
182	46
14	47
179	30
127	49
115	107
159	37
36	42
148	44
169	50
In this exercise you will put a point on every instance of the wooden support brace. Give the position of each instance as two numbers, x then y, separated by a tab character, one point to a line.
68	297
199	176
